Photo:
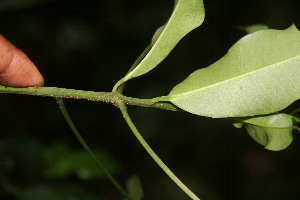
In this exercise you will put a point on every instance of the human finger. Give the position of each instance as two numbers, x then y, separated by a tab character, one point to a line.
16	69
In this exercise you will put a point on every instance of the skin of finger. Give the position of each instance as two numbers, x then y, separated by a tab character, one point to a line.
16	69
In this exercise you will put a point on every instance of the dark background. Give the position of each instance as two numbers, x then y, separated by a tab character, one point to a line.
90	45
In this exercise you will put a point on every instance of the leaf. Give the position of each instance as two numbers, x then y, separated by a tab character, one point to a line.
259	75
272	131
279	120
187	15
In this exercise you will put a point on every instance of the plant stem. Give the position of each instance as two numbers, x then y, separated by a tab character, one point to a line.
155	157
108	97
87	148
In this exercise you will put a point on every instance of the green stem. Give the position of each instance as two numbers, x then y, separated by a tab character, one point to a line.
108	97
140	138
87	148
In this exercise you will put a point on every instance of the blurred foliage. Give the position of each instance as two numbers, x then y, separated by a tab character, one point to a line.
9	5
90	45
61	161
134	188
58	190
43	170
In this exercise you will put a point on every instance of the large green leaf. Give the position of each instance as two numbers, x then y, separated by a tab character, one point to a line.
187	15
259	75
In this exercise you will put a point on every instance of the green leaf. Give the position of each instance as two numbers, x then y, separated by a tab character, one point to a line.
187	15
259	75
272	131
279	120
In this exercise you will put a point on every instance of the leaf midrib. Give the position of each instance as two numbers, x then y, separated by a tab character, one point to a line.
230	79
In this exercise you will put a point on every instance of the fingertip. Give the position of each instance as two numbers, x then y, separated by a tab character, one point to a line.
16	69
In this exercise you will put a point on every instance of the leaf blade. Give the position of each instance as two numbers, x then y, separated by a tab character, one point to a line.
187	15
245	81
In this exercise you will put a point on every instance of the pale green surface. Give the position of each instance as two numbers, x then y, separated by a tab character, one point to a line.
272	131
272	121
259	75
187	15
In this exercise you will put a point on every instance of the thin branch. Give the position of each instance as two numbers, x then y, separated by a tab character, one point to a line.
108	97
88	149
155	157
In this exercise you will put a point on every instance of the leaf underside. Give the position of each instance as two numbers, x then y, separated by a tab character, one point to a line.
187	15
259	75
